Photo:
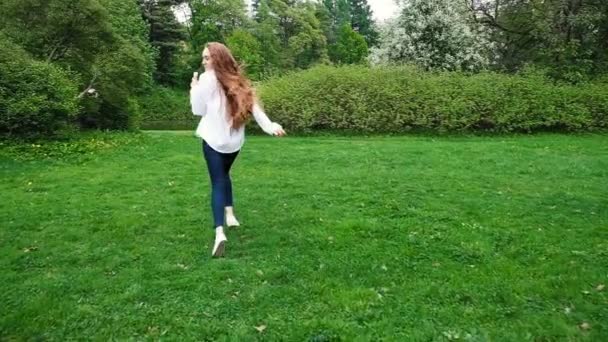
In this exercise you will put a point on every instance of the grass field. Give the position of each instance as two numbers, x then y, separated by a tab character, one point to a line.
342	238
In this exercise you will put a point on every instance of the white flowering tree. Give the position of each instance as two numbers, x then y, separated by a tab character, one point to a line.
434	34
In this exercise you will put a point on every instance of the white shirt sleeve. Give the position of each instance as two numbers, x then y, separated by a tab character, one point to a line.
201	93
263	121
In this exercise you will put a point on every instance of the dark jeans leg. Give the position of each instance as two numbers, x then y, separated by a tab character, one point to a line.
218	165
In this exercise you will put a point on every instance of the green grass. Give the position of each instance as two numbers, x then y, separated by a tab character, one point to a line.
342	238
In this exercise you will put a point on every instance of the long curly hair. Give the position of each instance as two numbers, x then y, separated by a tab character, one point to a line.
236	86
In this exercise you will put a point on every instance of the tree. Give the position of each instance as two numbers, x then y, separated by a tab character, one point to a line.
300	34
255	6
435	34
121	70
343	13
339	14
128	24
122	75
356	13
165	36
361	20
350	48
215	20
36	97
266	30
568	36
101	44
248	51
70	33
326	21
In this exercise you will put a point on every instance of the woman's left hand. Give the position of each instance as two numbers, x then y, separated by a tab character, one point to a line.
279	131
194	80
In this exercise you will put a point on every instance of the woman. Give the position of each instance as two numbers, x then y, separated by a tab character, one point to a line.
225	100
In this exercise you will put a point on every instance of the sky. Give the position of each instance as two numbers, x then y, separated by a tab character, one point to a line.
382	9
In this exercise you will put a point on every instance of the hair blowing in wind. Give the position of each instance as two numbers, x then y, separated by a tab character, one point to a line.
237	87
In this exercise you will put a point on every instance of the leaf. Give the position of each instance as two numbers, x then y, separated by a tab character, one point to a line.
30	249
261	328
451	335
585	326
600	287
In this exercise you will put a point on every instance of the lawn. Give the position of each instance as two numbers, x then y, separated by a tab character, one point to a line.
342	238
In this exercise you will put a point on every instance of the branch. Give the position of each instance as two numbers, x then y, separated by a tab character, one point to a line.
51	56
492	19
90	86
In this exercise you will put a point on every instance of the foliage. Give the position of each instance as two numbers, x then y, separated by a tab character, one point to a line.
165	35
102	45
300	41
70	33
215	20
165	104
36	98
401	99
248	51
434	34
350	47
362	21
569	37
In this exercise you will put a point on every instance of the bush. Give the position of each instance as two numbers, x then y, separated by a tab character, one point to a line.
36	98
166	108
400	99
123	73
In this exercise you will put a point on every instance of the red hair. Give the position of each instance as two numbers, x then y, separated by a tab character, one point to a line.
236	86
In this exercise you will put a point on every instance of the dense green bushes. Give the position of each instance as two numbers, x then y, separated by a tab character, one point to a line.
166	108
83	62
399	99
36	97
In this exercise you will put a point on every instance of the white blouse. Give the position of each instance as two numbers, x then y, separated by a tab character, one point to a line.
209	101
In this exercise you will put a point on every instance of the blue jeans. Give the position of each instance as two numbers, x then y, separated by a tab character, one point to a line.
219	165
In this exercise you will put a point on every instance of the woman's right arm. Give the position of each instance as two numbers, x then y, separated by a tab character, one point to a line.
271	128
200	91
